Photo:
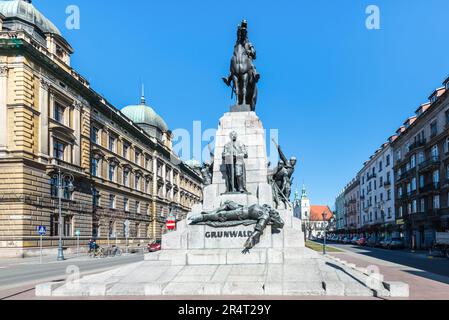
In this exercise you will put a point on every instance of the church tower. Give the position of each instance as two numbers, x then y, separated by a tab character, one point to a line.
304	204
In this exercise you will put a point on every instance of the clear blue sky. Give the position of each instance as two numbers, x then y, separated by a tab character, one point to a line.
335	90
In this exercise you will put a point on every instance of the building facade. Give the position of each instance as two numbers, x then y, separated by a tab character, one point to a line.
421	164
315	225
51	121
377	216
352	205
340	212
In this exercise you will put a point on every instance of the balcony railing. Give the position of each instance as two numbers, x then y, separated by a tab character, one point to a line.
417	145
372	176
387	183
435	186
432	162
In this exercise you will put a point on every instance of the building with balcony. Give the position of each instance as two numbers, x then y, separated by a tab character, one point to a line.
377	217
51	120
352	205
421	165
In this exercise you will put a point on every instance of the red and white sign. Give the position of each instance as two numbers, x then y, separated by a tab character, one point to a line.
171	223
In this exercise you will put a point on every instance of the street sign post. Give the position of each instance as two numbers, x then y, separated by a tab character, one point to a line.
77	233
42	230
126	223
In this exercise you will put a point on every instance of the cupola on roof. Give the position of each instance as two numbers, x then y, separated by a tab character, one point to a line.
145	116
24	9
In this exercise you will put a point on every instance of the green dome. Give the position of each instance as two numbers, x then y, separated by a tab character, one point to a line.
24	10
144	115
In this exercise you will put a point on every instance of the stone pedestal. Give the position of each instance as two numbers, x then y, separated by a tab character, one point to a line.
250	132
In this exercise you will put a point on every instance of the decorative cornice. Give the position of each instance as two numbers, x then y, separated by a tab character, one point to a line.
45	84
3	71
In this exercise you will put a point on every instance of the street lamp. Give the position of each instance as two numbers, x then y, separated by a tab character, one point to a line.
68	178
324	223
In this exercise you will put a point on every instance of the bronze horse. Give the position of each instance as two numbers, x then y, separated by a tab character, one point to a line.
244	76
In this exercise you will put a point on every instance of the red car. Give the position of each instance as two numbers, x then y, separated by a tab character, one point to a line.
362	241
155	246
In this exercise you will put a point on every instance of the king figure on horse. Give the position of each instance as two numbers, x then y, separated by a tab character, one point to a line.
244	76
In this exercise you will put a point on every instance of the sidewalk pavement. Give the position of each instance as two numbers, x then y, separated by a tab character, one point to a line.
423	285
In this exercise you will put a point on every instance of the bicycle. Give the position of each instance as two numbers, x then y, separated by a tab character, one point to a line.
113	252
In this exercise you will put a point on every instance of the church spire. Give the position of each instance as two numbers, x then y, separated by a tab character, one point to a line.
304	191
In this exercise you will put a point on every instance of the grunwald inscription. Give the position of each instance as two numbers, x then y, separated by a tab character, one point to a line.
227	234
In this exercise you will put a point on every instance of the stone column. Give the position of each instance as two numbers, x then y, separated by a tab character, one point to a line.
44	115
164	188
77	128
3	108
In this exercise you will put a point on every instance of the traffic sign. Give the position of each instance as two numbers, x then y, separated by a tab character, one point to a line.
171	223
42	230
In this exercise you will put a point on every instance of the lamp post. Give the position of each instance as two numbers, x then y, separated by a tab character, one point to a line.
61	178
324	223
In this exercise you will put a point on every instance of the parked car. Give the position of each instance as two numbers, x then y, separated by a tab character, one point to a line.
362	241
385	242
355	239
396	243
346	240
442	243
371	242
155	246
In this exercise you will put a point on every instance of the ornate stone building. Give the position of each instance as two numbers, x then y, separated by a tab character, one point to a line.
51	119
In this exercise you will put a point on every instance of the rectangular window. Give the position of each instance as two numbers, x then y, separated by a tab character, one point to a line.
126	204
421	157
111	201
421	181
111	172
436	176
66	194
94	135
125	150
414	184
94	167
388	160
59	112
126	178
137	157
433	129
138	207
96	198
422	205
137	183
436	202
447	114
435	152
413	161
58	150
111	144
414	203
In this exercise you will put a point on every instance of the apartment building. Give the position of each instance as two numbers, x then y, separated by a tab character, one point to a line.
421	165
377	216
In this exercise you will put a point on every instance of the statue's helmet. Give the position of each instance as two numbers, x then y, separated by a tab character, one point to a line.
293	161
233	135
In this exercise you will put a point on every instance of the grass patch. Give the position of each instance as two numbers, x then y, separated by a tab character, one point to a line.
319	247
